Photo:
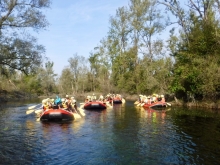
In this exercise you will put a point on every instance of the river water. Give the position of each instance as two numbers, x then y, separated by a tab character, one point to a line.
122	135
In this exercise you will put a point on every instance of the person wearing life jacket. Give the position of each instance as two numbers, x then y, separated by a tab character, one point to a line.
139	98
159	98
154	98
68	103
101	98
58	102
93	98
46	104
163	99
63	105
73	104
149	100
144	99
88	98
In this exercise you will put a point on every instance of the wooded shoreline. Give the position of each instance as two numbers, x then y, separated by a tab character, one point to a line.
6	96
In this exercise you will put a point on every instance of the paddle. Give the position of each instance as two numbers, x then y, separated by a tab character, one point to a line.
38	111
81	111
29	111
123	100
139	104
108	104
168	104
38	119
31	107
76	115
136	102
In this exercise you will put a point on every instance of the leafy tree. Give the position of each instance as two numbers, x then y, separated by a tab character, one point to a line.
20	51
197	51
20	54
65	81
139	26
47	77
19	14
77	66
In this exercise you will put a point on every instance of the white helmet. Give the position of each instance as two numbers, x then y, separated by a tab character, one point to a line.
62	99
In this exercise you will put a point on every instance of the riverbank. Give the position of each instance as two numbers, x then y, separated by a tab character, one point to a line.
6	96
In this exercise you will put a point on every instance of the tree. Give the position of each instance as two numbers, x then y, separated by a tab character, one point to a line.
19	51
134	48
20	54
196	53
65	81
47	77
77	66
19	14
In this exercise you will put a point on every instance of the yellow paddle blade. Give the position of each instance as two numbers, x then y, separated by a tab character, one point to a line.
38	119
123	101
142	104
76	116
38	111
29	112
168	104
81	111
31	107
136	102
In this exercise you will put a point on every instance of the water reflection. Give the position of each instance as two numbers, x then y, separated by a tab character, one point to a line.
123	134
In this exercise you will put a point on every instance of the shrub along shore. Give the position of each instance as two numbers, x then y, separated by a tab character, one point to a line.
6	96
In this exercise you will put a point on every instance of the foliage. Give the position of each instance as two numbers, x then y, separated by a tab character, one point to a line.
132	58
196	70
72	79
20	54
19	51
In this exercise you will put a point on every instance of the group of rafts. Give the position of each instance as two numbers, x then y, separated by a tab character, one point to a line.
91	103
66	108
152	101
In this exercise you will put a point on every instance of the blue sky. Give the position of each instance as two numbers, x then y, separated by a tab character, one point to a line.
76	27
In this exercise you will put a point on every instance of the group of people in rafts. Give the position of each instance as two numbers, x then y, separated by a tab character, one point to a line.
150	99
107	99
68	103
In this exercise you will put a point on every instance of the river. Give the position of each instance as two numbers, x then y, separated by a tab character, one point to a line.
122	135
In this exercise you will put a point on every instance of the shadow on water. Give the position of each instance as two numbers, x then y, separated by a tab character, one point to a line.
123	134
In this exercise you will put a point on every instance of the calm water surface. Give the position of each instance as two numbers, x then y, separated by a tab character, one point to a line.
122	135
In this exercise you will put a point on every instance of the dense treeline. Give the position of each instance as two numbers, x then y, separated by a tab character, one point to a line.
136	55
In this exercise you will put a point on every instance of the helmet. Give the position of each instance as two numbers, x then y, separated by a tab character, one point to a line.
62	99
67	96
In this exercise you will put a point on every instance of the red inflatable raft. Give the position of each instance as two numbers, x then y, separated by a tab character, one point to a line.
117	101
94	105
158	104
56	114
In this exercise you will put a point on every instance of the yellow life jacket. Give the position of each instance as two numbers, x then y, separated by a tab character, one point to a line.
64	105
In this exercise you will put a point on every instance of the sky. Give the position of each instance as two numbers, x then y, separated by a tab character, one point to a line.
76	26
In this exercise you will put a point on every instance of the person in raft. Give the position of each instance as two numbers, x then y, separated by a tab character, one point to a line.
68	103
